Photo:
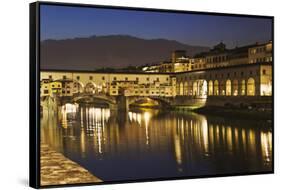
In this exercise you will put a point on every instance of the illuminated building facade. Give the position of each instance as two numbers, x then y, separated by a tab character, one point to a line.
50	88
198	63
260	53
236	80
218	56
243	71
113	84
179	63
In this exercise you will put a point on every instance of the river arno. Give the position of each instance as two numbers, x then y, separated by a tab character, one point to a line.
143	144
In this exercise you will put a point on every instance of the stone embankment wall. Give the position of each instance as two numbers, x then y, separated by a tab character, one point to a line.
223	101
58	170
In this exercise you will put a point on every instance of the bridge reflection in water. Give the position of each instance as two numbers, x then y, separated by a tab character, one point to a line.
152	143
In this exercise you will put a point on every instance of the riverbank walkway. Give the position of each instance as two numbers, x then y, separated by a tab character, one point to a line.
57	169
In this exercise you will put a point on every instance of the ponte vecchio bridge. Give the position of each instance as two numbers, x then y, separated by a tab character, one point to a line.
240	82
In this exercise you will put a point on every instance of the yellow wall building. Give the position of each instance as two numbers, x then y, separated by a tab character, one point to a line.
50	88
218	56
142	84
260	53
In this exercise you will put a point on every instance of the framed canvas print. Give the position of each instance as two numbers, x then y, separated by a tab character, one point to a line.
121	94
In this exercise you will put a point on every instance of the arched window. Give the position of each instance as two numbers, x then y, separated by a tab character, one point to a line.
222	88
216	87
250	87
266	87
185	92
181	89
90	88
228	87
190	89
195	91
243	88
235	87
210	93
178	88
203	89
78	87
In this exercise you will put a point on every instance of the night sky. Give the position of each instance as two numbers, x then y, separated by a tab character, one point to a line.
61	22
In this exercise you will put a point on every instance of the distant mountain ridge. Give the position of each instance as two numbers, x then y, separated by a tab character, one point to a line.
114	51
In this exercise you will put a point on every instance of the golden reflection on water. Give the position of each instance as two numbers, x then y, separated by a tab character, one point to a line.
244	139
95	120
252	141
266	145
191	136
66	110
83	143
211	136
229	138
205	136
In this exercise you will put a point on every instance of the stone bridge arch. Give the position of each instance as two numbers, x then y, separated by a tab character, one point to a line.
162	102
94	98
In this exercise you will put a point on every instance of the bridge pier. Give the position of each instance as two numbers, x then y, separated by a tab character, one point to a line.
112	106
122	103
49	105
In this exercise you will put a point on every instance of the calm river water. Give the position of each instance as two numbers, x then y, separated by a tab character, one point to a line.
144	144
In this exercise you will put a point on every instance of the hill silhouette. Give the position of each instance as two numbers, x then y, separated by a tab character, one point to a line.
115	51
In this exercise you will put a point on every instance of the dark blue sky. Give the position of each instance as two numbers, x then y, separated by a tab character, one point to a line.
60	22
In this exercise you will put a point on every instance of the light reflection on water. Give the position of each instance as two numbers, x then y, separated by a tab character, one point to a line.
153	143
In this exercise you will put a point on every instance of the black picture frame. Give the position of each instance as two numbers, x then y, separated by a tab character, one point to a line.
34	90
